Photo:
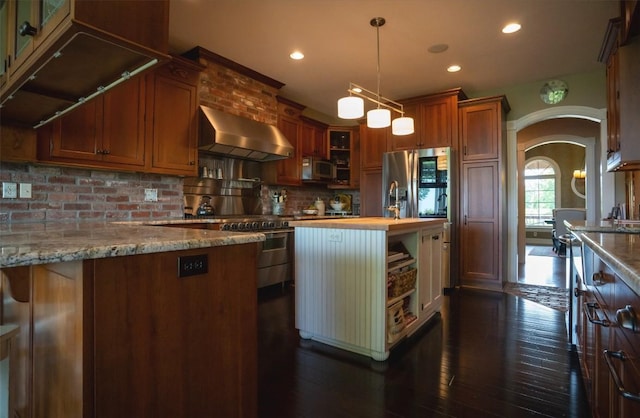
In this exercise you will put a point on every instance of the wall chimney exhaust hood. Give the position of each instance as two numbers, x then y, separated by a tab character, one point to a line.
235	136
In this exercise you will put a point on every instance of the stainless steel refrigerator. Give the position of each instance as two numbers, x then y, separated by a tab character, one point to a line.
422	181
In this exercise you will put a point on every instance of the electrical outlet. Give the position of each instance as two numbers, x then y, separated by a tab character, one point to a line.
335	236
150	195
25	190
9	190
192	265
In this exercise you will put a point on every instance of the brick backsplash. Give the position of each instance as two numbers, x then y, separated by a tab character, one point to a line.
299	198
62	193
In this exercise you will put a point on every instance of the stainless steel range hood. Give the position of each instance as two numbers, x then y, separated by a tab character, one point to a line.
235	136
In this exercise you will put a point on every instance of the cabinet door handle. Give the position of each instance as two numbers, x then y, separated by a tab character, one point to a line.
620	355
592	306
435	237
26	29
598	278
106	152
627	318
465	220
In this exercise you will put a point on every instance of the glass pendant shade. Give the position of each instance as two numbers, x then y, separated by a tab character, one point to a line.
402	126
378	118
350	107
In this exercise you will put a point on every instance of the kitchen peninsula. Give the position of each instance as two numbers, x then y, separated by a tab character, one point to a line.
128	319
606	310
362	284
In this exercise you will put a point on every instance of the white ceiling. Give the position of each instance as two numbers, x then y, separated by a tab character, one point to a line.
558	38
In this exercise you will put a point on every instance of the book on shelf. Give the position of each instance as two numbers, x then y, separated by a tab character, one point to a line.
396	256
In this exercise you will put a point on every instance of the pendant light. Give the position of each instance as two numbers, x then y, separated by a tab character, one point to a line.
352	106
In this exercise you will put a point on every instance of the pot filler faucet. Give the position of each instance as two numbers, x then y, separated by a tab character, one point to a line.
395	208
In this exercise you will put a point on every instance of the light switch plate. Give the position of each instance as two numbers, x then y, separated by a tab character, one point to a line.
150	195
25	190
9	190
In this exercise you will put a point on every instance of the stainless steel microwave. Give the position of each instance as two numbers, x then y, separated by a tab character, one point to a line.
317	169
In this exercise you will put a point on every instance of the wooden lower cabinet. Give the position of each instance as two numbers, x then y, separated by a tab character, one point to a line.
609	352
481	226
126	337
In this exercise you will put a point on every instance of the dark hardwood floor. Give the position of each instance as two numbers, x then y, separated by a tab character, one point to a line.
543	270
488	354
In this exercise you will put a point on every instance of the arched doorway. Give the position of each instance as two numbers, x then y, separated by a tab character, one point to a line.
515	160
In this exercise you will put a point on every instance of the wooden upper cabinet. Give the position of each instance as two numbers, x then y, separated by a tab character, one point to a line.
630	19
344	152
145	124
371	193
438	122
481	128
123	127
622	60
411	141
172	125
313	139
613	100
58	53
106	132
289	170
43	17
435	121
373	143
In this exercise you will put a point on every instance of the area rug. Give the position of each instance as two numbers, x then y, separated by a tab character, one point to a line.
551	297
543	251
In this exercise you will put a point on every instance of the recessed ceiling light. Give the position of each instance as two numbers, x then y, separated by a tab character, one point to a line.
296	55
454	68
511	28
437	48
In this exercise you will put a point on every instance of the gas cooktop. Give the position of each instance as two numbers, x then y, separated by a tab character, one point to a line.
247	222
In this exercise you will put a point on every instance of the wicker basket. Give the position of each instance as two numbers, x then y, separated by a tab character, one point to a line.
400	283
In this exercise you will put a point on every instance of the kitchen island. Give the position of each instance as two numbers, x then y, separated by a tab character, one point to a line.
128	319
363	284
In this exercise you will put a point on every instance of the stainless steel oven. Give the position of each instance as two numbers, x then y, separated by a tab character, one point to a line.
275	253
274	258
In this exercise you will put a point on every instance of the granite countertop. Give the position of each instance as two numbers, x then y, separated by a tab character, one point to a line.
23	244
620	251
605	225
370	223
616	244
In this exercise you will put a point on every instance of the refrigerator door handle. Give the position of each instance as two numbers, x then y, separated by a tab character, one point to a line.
412	207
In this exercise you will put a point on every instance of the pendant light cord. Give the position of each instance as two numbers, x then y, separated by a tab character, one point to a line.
378	66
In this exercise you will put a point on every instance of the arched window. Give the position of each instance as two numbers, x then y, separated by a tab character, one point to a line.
540	190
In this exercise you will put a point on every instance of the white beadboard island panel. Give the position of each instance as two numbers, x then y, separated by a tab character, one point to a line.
340	288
